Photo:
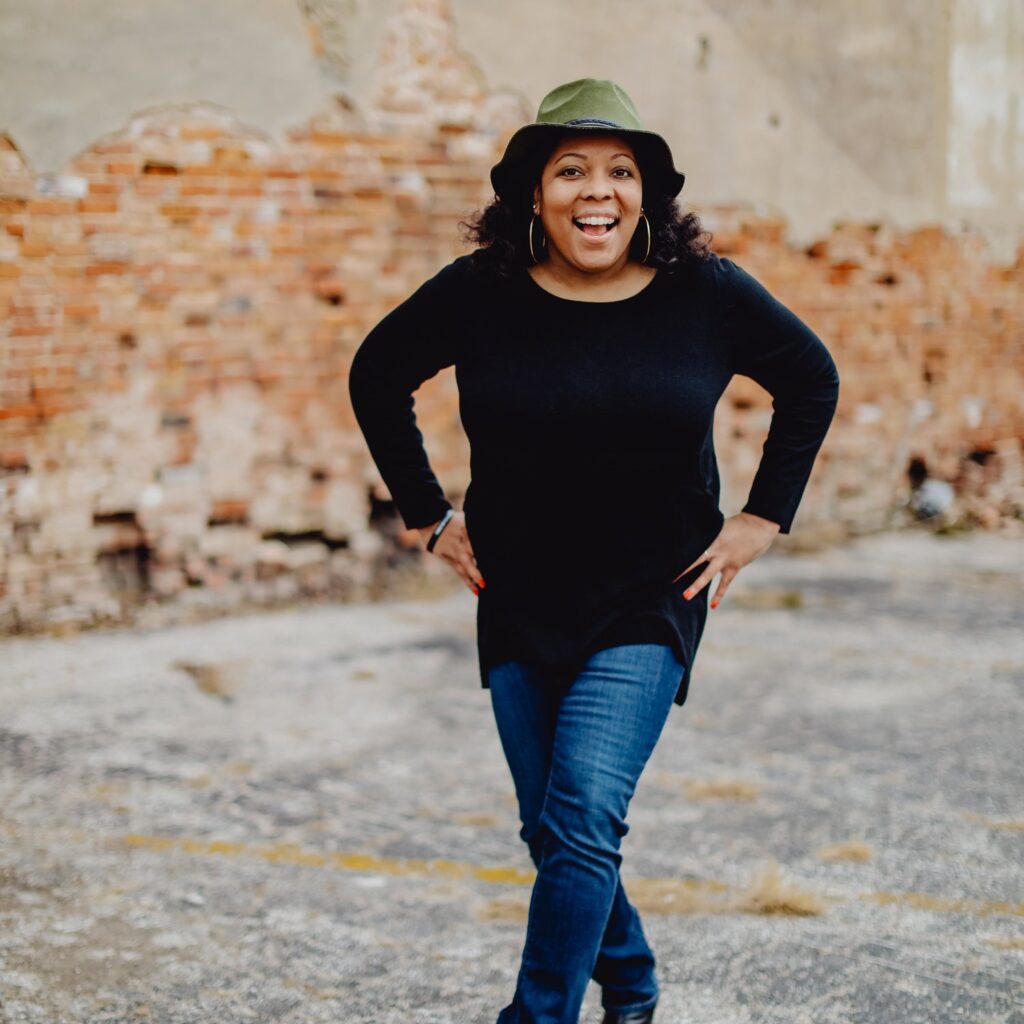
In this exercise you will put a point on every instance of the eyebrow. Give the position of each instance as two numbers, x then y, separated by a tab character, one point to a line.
580	156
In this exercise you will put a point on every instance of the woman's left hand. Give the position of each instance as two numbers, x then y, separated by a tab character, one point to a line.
743	538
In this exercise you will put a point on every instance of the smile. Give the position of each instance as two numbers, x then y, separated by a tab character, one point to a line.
595	225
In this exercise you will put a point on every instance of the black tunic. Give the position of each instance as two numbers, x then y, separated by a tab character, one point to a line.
593	472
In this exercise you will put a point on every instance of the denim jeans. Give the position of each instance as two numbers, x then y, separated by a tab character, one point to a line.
576	748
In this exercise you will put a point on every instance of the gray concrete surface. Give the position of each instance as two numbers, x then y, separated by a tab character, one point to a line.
312	821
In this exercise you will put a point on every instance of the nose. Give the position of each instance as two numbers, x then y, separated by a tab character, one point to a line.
597	187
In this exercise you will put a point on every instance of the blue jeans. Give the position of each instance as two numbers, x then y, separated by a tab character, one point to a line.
576	748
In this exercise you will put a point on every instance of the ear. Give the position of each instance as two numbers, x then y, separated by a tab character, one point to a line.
536	195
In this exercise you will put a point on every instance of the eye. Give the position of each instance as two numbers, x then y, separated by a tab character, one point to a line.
564	172
626	172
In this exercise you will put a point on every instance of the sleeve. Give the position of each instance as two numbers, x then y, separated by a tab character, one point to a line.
775	348
411	344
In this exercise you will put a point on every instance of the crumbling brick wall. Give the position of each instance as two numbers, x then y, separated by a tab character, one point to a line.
180	307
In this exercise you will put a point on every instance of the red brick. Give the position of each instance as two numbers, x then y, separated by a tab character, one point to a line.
51	205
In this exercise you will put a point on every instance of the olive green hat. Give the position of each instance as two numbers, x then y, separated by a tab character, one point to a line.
587	105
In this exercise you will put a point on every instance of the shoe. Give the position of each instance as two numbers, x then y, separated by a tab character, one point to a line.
633	1017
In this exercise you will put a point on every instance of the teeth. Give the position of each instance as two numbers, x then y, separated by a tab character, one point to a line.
595	220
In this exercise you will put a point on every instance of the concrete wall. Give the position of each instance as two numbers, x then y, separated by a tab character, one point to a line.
985	127
910	112
73	70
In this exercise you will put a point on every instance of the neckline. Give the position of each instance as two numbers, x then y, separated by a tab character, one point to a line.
531	283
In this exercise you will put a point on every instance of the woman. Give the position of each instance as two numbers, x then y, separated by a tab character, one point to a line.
592	334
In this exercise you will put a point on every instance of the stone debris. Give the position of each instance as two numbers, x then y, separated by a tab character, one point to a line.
219	679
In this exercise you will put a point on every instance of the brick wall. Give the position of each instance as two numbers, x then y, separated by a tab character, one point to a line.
178	310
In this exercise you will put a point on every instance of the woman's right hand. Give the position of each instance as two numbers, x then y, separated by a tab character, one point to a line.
454	547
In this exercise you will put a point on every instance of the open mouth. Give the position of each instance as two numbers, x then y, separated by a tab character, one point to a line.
596	226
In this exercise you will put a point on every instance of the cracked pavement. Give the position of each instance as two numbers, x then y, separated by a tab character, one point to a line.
304	815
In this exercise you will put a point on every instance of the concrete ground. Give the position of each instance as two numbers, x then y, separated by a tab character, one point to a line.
304	816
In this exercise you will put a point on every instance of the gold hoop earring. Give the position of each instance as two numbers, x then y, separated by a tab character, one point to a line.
648	224
544	243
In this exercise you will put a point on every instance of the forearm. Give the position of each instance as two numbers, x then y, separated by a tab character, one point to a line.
797	431
410	345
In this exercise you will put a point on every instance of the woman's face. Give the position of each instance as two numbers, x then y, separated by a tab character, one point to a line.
590	177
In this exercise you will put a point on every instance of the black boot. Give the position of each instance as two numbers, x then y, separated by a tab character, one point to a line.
634	1017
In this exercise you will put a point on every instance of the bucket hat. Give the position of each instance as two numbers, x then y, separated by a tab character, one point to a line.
588	105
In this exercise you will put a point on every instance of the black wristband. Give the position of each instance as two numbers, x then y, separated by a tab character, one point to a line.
437	529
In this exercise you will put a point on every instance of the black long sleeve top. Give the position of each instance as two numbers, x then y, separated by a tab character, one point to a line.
593	472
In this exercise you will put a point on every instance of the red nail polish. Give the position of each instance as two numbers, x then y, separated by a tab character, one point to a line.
483	583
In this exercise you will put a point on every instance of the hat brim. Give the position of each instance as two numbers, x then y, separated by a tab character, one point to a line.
521	156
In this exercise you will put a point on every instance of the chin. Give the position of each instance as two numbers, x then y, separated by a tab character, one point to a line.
595	262
594	256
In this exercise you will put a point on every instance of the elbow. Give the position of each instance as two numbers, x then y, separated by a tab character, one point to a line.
830	394
355	383
362	392
819	397
827	383
827	392
355	392
832	383
834	374
360	376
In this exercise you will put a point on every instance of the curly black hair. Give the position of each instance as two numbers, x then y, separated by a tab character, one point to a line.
678	239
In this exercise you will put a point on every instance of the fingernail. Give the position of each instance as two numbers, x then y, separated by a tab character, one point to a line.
714	604
476	591
686	594
483	582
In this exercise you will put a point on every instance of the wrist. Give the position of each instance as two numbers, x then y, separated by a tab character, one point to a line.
762	522
437	529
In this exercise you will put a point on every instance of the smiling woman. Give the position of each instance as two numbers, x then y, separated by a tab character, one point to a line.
514	231
592	335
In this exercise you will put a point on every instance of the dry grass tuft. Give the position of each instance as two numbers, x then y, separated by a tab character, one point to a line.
769	894
504	909
854	849
768	597
732	789
944	904
477	820
981	819
1006	942
677	895
766	894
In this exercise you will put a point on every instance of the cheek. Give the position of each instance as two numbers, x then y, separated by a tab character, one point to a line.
559	197
561	235
632	198
557	219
